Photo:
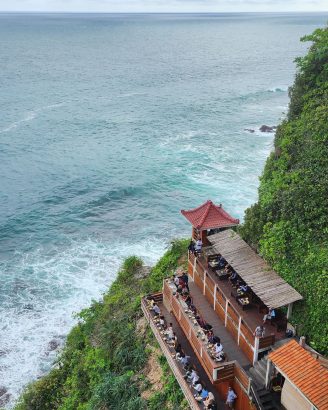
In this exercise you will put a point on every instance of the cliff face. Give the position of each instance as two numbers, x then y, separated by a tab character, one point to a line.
111	360
289	223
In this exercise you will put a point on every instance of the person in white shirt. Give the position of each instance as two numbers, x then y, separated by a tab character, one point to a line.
218	347
199	245
259	331
194	377
231	397
198	387
156	309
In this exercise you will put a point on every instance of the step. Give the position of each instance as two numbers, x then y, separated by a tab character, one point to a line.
258	379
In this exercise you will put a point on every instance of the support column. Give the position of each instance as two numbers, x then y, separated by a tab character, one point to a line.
239	326
256	349
204	284
226	313
194	268
268	373
289	310
214	296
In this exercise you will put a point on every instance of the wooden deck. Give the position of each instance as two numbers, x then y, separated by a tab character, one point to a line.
174	364
252	317
207	312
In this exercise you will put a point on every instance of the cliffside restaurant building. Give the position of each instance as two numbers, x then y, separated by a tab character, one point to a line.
257	366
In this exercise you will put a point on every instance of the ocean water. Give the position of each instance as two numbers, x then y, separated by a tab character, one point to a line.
109	125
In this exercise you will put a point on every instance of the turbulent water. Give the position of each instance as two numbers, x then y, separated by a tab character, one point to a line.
109	125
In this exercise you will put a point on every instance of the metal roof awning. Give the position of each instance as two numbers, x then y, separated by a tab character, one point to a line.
264	282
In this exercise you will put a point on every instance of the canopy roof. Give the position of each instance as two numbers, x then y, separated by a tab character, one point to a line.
304	371
209	216
264	282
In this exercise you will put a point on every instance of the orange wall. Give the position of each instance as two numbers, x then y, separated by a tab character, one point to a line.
242	402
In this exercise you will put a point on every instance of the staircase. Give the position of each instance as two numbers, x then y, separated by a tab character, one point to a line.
263	399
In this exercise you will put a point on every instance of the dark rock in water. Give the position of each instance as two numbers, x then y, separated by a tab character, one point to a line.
267	128
28	306
53	344
3	390
249	130
4	396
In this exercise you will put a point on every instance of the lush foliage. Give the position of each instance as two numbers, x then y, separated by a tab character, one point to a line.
101	366
289	223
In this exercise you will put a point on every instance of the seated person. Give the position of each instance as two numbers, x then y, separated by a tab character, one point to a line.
193	377
209	401
242	289
188	300
210	335
179	290
169	332
233	277
198	387
176	280
193	309
269	316
156	309
178	350
184	359
218	347
203	395
220	357
185	279
162	323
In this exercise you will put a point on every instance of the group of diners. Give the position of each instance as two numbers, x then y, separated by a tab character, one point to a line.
213	342
190	374
195	247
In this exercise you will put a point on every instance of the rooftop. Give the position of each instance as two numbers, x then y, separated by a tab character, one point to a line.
209	216
304	371
264	282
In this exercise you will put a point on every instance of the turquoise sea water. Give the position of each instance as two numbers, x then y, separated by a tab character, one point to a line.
109	125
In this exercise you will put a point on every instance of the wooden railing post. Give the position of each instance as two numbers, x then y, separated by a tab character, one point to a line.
215	290
239	326
256	349
194	268
204	284
226	313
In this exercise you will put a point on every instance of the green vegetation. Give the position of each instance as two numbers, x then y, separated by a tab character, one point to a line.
102	364
289	223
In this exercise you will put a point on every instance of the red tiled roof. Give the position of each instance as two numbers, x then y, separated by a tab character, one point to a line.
209	216
304	371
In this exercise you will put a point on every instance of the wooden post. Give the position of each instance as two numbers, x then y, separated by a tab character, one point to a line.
201	351
226	313
214	304
204	284
268	373
256	349
239	326
194	268
249	386
289	310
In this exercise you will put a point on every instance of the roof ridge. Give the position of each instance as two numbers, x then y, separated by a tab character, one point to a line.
209	204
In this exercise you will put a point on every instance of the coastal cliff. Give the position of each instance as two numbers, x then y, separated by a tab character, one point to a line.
289	223
111	359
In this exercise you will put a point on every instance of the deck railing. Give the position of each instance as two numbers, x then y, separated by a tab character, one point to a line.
194	405
232	319
216	371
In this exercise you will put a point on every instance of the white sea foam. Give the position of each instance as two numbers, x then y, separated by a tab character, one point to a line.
42	311
281	89
31	115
